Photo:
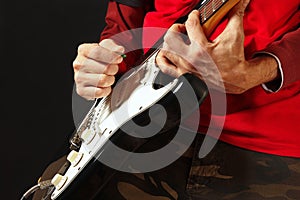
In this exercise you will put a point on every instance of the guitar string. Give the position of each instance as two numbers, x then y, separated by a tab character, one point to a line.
213	5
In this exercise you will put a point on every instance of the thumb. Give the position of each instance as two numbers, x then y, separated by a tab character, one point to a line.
235	26
237	12
239	9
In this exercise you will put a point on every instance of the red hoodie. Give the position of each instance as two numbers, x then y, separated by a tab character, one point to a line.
257	120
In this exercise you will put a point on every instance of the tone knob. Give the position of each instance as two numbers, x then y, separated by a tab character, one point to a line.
88	135
58	181
74	157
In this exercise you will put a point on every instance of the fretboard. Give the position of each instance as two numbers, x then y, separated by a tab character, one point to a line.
209	7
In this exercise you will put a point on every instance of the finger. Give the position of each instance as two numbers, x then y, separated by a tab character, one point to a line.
101	80
175	40
234	29
182	65
84	64
111	70
240	8
99	54
96	80
194	28
111	45
165	65
91	93
179	28
237	13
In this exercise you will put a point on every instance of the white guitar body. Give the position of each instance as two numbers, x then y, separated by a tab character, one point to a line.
107	117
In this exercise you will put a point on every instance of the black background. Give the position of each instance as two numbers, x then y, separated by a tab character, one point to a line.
39	40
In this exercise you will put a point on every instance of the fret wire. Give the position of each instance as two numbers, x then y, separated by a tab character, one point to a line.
213	5
216	7
218	2
208	14
207	10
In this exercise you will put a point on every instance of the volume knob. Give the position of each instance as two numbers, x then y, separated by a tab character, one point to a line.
74	157
58	181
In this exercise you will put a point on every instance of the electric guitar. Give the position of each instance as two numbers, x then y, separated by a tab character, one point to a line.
119	125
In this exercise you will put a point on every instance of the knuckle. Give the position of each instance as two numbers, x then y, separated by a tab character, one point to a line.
76	64
81	48
111	44
168	38
99	92
101	80
102	92
106	81
78	78
164	69
106	69
93	51
118	48
121	49
106	42
80	91
87	49
110	80
111	69
113	79
161	54
115	69
158	60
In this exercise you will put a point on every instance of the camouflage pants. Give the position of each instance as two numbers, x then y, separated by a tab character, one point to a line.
227	172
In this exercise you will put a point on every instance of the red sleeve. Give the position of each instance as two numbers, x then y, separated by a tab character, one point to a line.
287	50
120	18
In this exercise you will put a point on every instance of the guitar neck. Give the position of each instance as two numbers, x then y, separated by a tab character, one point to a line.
212	11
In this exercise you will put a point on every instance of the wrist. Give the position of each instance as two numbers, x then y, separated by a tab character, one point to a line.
265	67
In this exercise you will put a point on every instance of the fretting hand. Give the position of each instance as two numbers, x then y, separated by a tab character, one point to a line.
221	62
